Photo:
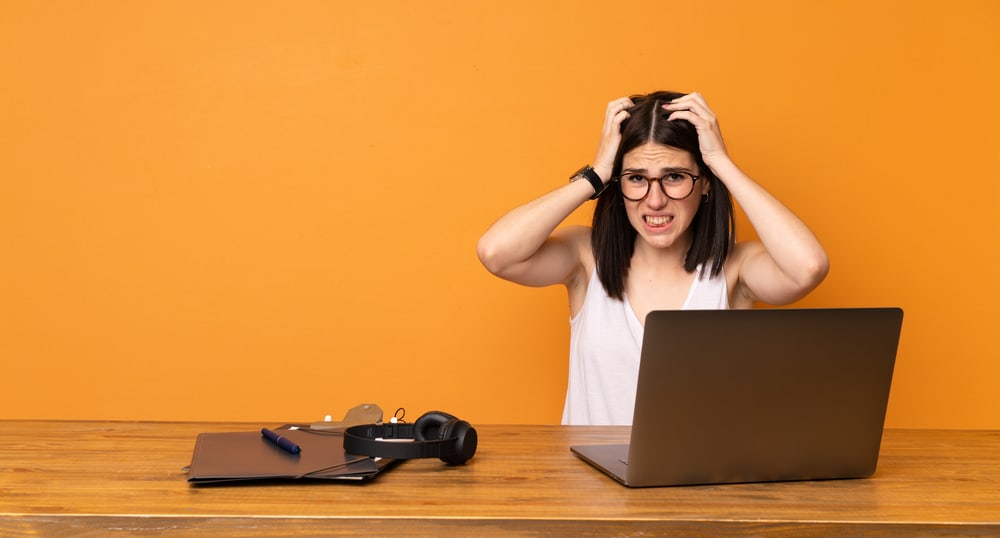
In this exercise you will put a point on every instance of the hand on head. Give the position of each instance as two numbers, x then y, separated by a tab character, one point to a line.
693	108
611	136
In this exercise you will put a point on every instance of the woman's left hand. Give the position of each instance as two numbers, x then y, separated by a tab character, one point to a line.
693	108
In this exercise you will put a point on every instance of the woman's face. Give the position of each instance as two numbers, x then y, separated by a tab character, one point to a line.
660	221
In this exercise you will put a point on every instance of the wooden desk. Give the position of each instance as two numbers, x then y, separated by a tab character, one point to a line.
79	478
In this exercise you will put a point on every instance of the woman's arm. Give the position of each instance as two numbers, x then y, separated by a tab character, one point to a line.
524	245
792	262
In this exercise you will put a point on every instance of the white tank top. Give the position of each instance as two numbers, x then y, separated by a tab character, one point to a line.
604	345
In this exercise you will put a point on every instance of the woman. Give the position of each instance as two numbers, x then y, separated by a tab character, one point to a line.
662	238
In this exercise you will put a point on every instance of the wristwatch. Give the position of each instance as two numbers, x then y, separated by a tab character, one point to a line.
588	173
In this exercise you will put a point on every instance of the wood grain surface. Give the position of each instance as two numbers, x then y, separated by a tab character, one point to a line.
77	478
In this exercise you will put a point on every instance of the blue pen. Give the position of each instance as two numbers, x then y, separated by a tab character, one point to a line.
283	442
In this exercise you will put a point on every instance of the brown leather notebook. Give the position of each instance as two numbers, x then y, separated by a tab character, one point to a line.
227	457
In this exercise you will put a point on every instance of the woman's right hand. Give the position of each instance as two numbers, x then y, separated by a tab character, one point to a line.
611	137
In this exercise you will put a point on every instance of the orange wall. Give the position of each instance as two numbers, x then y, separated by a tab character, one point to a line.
268	211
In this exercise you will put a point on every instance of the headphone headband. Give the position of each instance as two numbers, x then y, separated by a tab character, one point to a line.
434	435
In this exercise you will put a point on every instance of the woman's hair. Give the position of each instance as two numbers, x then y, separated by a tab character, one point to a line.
613	237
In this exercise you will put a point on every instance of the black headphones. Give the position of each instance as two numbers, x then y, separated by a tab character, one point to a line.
435	435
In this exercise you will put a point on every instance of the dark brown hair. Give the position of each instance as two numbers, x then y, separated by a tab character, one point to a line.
613	238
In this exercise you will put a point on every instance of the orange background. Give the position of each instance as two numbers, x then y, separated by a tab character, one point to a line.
269	211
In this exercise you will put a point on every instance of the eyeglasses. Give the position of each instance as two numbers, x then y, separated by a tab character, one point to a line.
676	185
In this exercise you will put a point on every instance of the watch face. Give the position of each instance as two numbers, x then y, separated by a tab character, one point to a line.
579	173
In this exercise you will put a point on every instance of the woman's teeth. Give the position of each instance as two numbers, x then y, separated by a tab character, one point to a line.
660	220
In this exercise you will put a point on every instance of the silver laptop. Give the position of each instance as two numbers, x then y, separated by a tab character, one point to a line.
729	396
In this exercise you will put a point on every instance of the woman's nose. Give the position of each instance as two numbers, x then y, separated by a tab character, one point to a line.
656	197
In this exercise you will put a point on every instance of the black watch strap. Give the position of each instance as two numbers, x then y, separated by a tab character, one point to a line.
588	173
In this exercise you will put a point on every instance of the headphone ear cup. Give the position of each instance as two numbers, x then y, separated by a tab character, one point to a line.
438	425
429	426
466	440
